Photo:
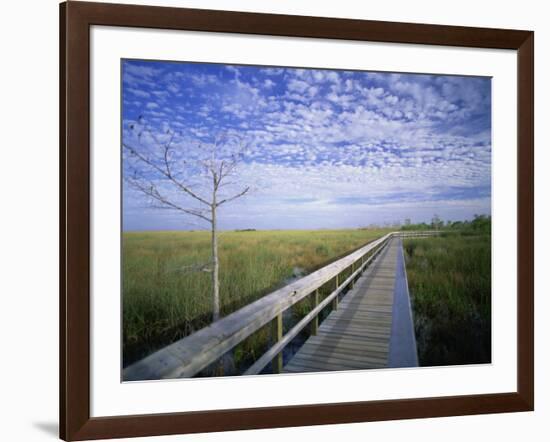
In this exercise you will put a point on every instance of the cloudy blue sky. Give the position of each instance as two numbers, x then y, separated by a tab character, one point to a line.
322	148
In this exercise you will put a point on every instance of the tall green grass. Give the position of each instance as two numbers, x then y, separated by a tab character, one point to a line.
163	301
450	285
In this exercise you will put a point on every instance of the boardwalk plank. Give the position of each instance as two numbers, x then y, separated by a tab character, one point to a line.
376	349
341	353
351	342
343	362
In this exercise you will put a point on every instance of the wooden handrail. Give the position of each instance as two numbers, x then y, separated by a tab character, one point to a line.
416	233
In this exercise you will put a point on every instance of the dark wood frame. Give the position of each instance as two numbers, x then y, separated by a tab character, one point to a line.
75	21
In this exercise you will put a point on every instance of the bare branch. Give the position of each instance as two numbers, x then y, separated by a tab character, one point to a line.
227	184
152	191
234	197
166	173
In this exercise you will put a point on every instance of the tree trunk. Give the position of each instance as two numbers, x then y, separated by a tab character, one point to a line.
215	266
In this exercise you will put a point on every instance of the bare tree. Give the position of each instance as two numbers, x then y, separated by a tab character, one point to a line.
192	179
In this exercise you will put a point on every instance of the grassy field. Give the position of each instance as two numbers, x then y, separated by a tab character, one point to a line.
450	284
162	301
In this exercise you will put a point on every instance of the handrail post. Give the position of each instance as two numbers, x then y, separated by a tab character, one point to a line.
277	334
315	321
352	270
335	300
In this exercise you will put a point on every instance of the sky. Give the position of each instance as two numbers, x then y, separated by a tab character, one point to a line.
317	148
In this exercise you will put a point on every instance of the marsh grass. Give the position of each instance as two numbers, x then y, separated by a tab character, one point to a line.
163	302
450	285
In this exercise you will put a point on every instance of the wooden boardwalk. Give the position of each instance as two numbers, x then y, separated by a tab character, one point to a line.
372	327
357	335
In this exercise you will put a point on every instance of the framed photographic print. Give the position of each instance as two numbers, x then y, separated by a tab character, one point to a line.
273	220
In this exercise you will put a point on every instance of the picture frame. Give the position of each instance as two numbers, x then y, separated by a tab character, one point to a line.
76	19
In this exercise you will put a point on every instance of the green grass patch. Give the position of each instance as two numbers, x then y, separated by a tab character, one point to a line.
450	285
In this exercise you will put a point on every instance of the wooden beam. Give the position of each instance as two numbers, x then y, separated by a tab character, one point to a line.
315	321
277	335
335	300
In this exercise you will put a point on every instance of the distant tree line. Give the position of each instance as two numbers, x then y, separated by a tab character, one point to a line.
479	224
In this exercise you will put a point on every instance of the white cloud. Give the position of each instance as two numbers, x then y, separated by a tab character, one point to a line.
138	92
297	85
